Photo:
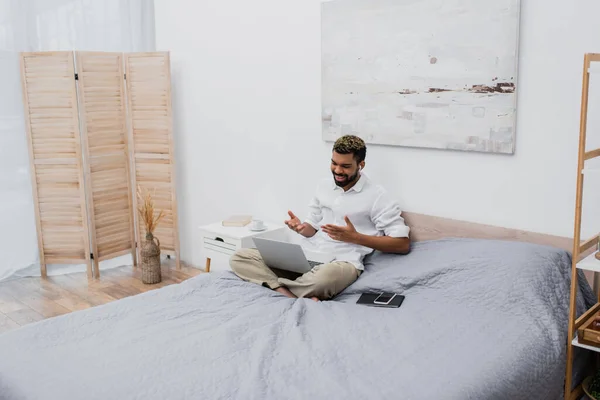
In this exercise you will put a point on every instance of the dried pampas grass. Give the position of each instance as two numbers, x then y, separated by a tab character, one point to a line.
146	210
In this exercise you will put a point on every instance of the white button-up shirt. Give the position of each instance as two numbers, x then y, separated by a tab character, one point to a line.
369	207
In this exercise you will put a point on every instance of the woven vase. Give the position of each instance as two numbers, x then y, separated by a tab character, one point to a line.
150	254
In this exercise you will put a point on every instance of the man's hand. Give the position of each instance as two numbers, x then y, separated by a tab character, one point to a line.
297	226
346	233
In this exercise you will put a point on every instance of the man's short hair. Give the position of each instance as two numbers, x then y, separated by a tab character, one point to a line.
350	144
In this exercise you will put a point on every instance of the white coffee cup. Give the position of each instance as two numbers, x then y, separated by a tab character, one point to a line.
257	225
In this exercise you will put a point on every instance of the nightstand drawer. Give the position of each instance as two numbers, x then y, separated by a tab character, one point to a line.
209	248
221	245
217	238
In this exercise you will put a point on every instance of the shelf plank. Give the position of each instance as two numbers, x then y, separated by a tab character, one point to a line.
592	154
576	393
590	263
591	170
588	244
575	342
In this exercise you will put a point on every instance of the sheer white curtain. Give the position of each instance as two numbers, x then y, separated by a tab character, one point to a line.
45	25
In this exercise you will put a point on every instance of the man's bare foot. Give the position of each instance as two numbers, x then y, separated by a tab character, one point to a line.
286	292
315	298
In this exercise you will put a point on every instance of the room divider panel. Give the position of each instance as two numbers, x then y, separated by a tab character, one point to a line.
93	139
50	102
149	95
104	129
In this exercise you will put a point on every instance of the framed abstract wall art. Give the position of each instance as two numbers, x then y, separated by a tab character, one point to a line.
421	73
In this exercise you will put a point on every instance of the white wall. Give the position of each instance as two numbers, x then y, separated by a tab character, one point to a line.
246	98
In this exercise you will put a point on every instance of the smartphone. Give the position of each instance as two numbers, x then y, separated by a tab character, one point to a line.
384	298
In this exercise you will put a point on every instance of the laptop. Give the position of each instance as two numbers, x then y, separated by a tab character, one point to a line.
288	256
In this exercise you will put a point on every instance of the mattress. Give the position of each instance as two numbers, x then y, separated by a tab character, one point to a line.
481	320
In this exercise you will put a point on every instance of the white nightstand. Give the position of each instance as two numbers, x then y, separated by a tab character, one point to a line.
221	242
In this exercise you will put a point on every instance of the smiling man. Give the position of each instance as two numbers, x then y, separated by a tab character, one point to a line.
350	217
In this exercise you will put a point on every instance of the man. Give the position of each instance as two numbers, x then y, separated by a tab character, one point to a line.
349	217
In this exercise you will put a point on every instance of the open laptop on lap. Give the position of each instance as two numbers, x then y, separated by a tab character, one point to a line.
288	256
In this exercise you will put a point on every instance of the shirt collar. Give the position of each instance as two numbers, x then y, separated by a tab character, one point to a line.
358	186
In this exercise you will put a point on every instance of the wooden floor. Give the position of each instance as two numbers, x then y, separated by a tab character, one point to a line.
26	300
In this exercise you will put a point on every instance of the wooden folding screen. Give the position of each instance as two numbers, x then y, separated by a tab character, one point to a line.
149	96
104	129
92	139
50	103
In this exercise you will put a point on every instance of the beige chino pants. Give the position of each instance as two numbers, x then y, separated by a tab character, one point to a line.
323	281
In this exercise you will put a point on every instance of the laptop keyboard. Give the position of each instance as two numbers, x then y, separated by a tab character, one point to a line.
314	263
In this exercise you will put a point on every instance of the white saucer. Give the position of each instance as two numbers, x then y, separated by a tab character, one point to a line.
259	230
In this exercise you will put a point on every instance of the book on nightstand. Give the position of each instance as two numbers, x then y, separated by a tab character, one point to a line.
237	220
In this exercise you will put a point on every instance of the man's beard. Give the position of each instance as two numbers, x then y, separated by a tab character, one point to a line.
346	181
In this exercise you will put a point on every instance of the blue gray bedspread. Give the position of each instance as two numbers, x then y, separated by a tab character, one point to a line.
481	320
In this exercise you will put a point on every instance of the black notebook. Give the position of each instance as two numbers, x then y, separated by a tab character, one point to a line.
368	299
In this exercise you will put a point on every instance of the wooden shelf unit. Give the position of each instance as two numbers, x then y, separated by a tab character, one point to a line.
581	257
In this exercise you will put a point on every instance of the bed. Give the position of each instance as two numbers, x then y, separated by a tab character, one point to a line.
482	319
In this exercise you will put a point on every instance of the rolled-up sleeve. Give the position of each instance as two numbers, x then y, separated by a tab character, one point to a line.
386	215
315	214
